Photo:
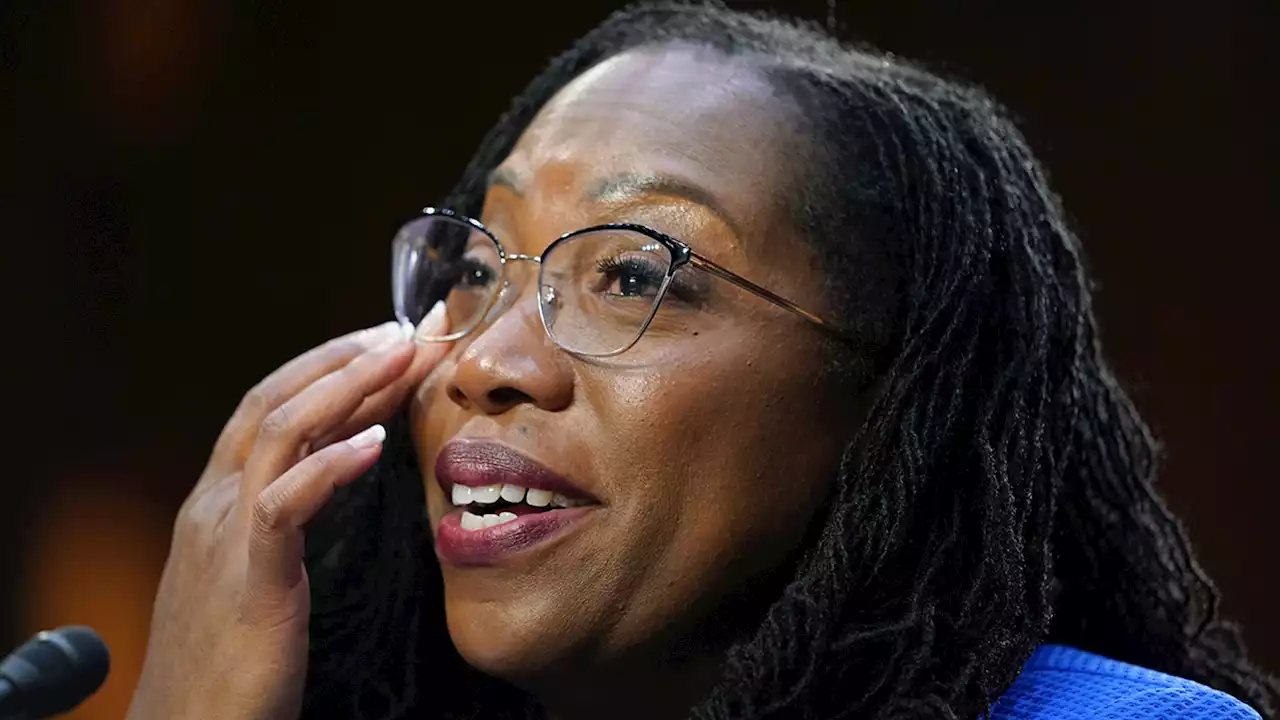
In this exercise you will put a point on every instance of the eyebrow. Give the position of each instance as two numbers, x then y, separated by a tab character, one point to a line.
505	177
626	186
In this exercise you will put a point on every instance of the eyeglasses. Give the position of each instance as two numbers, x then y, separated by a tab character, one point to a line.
599	288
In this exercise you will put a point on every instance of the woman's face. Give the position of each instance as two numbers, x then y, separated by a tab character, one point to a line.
704	451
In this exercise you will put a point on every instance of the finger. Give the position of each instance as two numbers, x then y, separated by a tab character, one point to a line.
434	324
383	404
236	441
380	406
291	430
280	511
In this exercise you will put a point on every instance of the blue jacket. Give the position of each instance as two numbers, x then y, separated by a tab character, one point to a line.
1062	683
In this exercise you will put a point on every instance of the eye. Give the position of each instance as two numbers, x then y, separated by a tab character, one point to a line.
629	276
474	273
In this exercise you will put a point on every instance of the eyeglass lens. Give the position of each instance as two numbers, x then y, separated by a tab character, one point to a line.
597	289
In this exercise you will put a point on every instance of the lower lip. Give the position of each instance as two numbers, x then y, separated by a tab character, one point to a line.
491	545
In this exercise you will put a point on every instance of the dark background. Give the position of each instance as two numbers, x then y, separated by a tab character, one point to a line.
193	191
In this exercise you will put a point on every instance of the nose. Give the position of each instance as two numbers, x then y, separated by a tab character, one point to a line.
510	363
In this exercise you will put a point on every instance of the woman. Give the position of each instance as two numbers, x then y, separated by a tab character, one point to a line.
803	415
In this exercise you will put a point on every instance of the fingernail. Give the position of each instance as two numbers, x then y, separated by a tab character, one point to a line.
368	438
378	335
433	325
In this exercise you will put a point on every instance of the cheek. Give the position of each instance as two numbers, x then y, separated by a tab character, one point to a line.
433	419
759	464
721	467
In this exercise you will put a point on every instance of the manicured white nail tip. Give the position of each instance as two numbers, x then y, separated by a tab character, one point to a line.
368	438
490	520
471	521
461	495
512	493
433	324
539	498
488	494
506	517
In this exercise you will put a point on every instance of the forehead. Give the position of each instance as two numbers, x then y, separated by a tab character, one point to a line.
709	120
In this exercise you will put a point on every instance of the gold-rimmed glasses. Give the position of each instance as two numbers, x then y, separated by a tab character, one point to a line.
598	288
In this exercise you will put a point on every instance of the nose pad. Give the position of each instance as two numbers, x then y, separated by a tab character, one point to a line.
506	298
517	276
551	303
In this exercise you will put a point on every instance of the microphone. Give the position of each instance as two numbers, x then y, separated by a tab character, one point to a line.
53	672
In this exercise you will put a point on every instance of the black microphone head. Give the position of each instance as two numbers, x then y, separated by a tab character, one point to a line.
57	669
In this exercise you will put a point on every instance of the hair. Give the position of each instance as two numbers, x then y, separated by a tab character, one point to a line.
998	496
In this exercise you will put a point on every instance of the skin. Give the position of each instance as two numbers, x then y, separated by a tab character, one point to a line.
680	437
229	629
710	444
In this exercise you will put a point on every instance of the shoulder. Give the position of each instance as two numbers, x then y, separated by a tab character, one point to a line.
1064	683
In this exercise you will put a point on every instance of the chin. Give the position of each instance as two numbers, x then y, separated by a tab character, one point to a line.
515	643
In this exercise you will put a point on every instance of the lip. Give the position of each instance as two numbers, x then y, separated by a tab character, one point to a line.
478	462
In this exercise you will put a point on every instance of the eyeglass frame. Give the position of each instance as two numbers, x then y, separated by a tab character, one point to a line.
681	255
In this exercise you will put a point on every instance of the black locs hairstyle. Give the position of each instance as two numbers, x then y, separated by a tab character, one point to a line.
998	496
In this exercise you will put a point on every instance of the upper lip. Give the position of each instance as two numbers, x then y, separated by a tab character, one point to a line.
480	462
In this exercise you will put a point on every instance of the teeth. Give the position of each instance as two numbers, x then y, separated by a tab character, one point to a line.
471	521
566	502
461	495
486	495
489	494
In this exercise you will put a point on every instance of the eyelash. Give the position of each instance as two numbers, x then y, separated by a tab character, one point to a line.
678	289
631	264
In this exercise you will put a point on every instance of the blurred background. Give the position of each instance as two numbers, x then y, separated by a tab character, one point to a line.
194	191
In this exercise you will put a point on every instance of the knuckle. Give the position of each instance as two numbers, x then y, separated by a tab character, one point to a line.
277	423
268	513
256	403
195	512
185	524
188	520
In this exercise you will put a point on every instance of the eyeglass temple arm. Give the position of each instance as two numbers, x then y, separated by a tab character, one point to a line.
703	263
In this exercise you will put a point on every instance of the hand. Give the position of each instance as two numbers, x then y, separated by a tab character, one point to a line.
229	629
